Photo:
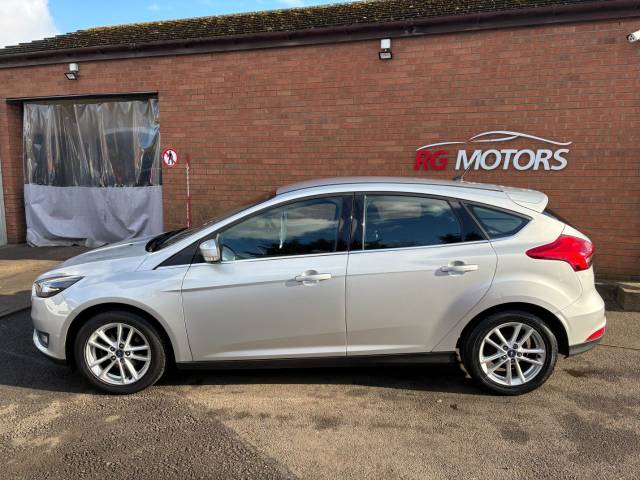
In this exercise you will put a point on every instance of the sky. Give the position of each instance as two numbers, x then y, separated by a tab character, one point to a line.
26	20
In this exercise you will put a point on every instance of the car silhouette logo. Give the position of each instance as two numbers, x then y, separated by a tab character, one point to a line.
435	156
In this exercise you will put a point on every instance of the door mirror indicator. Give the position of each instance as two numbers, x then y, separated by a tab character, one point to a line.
210	251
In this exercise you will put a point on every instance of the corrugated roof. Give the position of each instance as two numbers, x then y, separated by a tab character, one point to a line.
290	20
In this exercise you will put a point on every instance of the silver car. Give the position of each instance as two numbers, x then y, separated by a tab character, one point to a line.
341	271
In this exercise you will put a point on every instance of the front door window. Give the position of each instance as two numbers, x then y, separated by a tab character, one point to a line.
300	228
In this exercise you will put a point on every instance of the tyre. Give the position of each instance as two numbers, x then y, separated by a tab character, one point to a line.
510	353
120	352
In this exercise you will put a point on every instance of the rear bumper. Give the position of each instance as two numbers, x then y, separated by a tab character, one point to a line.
583	347
581	319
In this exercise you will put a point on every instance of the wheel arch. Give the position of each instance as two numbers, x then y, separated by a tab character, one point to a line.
93	310
551	320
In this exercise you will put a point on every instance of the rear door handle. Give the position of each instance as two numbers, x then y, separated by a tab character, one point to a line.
311	276
459	268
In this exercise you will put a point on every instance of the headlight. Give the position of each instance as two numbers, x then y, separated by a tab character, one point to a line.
48	287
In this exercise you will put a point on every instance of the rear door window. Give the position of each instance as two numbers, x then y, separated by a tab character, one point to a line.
395	221
497	223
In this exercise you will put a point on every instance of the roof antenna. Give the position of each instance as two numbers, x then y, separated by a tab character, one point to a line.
460	178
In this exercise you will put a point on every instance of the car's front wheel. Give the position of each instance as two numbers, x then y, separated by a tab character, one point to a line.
120	352
510	353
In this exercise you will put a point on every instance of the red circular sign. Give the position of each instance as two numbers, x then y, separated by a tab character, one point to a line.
170	157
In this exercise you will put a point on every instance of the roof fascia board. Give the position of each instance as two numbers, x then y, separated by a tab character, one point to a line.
592	11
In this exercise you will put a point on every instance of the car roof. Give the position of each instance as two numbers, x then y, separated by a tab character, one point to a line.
327	182
524	197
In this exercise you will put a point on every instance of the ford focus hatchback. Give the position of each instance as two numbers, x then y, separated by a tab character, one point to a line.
341	271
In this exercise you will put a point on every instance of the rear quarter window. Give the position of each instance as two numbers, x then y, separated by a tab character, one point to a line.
498	223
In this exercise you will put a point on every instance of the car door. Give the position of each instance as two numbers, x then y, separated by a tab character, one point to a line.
417	265
279	291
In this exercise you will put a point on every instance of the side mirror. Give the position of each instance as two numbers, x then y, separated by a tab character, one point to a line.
210	251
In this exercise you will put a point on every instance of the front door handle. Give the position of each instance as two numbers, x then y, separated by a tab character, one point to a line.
311	277
456	267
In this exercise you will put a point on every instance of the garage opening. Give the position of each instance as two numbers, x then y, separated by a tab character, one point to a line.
92	170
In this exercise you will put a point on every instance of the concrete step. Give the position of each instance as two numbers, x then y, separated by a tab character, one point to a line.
628	296
620	295
608	290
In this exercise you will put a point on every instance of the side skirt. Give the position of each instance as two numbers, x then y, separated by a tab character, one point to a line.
319	362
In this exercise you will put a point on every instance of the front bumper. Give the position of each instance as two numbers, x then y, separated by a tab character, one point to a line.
50	315
44	350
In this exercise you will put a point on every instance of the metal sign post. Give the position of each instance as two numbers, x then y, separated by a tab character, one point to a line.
3	224
187	164
170	158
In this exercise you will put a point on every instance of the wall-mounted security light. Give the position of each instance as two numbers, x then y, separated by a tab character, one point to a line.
385	49
73	73
633	37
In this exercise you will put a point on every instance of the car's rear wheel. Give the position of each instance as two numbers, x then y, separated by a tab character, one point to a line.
510	353
120	352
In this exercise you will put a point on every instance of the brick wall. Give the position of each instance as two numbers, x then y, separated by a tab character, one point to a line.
11	158
255	120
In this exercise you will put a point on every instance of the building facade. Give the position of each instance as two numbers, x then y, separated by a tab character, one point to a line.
543	97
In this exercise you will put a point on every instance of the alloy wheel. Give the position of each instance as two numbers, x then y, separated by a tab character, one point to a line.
512	354
117	354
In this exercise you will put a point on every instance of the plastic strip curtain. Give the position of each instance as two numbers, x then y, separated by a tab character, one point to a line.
92	171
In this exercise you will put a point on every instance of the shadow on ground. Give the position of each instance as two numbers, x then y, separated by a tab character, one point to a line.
14	302
431	378
25	252
32	370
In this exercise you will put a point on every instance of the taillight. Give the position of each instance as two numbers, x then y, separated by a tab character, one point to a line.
577	252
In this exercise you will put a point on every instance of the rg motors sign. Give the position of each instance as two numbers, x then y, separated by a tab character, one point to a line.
543	154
